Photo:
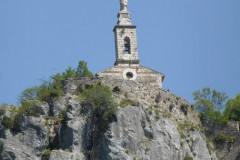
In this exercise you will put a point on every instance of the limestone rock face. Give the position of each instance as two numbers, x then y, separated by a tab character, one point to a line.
60	155
138	135
27	144
163	126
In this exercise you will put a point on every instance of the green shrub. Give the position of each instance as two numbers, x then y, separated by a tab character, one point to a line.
150	111
46	154
53	90
231	139
158	98
67	150
171	106
147	149
2	111
101	100
29	93
184	109
166	114
28	108
16	123
157	111
7	122
63	113
188	126
126	102
1	145
220	138
157	117
187	157
82	70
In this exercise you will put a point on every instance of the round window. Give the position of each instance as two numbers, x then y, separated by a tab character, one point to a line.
129	75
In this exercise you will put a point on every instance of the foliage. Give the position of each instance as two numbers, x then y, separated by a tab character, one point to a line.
29	93
101	100
210	103
220	138
186	125
1	145
69	73
125	102
157	116
28	108
171	106
166	114
53	88
150	111
2	111
187	157
7	122
16	123
82	70
67	150
46	154
217	99
12	123
232	111
184	109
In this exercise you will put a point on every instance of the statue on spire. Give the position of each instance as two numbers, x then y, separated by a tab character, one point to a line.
123	4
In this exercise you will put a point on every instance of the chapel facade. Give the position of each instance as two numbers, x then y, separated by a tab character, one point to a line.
126	66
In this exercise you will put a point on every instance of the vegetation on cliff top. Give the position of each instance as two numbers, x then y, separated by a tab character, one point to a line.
212	105
101	99
53	88
47	91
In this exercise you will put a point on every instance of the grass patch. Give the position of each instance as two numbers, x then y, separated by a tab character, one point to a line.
187	157
166	114
220	138
46	154
187	126
157	117
128	102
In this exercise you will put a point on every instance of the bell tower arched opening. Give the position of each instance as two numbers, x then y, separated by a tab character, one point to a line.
127	45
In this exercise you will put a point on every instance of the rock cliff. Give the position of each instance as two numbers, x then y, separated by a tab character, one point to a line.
159	126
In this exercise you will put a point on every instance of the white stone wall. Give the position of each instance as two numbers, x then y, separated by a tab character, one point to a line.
140	74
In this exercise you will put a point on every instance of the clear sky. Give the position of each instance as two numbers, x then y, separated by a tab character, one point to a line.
195	43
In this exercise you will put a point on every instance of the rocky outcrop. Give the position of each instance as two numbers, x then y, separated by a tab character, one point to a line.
162	126
27	144
226	138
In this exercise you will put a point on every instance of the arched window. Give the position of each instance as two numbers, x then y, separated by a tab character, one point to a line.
127	45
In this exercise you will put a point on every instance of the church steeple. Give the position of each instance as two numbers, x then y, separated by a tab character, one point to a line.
126	66
125	38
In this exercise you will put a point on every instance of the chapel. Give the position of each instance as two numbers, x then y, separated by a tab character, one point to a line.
126	66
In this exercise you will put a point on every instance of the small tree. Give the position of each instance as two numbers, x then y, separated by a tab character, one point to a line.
209	103
29	93
82	70
69	73
103	106
232	111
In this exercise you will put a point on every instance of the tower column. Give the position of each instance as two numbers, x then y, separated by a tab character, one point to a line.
125	38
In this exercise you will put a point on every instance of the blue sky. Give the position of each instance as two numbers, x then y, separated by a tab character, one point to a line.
195	43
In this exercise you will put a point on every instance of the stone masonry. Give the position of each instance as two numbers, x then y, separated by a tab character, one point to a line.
126	66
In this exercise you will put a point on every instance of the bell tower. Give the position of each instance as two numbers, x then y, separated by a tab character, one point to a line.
125	38
126	66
